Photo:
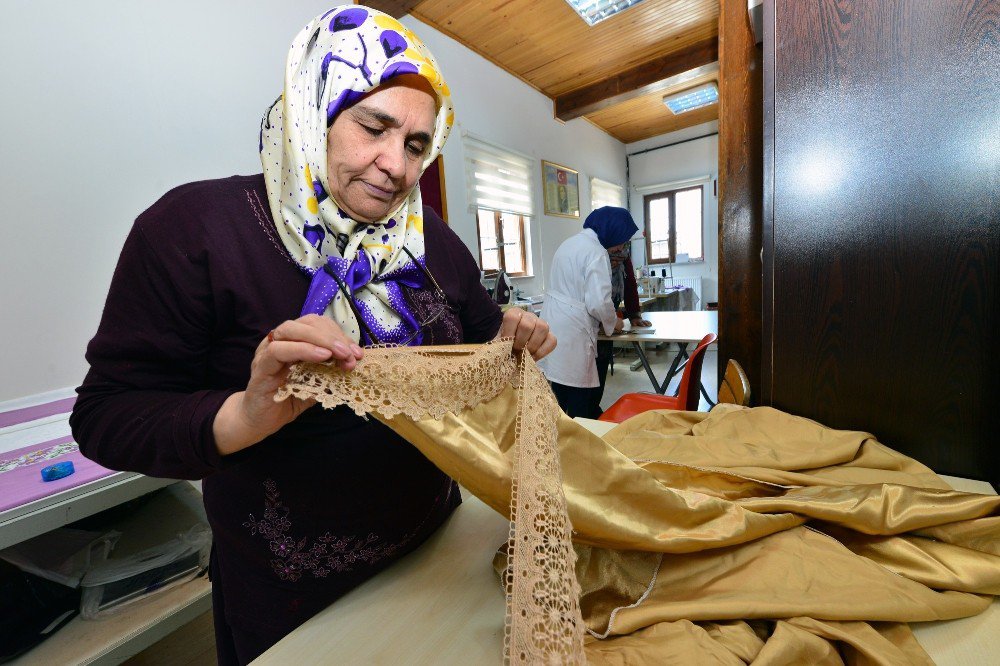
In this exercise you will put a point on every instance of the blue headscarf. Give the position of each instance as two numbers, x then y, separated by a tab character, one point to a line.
612	225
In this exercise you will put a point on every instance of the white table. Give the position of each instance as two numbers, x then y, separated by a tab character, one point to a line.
443	604
682	328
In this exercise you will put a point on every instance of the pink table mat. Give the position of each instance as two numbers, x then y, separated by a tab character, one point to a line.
25	414
21	469
23	483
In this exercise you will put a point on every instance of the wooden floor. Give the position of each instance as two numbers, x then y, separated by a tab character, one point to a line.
194	643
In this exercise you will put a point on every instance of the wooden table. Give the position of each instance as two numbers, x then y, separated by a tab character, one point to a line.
681	328
442	604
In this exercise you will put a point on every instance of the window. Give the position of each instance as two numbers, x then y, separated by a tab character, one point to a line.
499	194
501	242
674	225
603	193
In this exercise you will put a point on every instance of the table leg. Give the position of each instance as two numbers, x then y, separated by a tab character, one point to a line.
637	363
674	369
680	367
705	393
645	363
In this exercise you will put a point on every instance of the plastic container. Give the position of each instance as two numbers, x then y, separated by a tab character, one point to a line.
119	581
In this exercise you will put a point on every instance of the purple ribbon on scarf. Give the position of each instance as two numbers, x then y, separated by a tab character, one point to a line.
355	274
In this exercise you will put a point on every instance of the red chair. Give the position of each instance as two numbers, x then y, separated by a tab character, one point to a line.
687	397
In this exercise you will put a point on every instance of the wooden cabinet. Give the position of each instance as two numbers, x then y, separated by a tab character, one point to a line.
881	223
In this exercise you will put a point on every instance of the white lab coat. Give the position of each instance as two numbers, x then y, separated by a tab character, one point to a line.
577	301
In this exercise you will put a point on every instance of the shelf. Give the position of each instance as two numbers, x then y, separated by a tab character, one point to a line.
114	639
45	514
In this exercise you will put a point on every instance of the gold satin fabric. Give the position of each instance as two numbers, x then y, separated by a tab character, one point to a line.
741	535
687	525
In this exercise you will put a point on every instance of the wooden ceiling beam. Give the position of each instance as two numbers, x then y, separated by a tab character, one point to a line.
394	8
644	79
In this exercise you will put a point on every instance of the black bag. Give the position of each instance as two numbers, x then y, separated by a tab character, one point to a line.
31	610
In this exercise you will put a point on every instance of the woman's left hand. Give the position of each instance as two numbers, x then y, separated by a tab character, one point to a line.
530	333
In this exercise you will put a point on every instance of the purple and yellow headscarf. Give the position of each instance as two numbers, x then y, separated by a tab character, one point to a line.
333	62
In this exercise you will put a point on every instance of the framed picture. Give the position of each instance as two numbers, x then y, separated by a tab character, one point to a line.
561	187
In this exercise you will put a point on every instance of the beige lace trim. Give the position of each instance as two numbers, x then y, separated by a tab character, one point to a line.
543	623
417	382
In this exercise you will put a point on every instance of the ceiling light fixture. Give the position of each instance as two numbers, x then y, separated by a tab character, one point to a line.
693	98
595	11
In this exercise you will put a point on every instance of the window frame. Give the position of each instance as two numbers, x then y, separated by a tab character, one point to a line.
498	227
672	224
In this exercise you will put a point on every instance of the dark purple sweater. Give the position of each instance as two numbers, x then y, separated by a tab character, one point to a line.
324	503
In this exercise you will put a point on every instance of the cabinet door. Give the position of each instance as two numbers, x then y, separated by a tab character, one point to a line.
882	222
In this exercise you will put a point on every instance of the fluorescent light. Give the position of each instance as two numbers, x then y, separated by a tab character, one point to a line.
693	98
595	11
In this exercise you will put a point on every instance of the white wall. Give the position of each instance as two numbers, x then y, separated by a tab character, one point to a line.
503	110
108	104
693	159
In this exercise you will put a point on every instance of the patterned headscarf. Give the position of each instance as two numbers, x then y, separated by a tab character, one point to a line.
335	61
618	258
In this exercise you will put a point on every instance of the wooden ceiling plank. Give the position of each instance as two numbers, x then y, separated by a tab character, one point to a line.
645	130
555	39
540	41
650	106
635	82
545	45
446	31
500	17
562	75
647	116
653	42
563	72
394	8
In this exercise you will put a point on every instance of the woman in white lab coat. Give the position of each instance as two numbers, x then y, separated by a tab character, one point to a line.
578	304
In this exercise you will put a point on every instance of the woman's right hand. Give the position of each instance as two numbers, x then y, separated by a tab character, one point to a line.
249	416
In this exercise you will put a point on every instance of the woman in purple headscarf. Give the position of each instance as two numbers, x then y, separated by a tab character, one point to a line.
578	303
223	284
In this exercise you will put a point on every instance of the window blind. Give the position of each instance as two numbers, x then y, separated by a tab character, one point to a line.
603	193
496	178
